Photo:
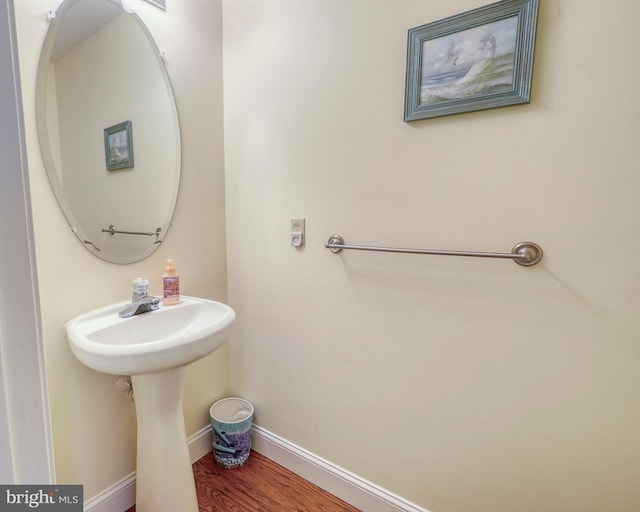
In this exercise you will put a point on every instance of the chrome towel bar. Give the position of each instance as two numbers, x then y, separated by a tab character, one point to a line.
112	231
524	253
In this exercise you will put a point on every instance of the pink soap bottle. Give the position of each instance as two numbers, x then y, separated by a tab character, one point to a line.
170	285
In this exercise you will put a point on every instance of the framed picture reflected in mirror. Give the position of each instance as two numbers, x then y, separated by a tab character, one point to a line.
118	146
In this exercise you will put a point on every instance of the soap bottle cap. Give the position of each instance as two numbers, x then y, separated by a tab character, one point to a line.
171	267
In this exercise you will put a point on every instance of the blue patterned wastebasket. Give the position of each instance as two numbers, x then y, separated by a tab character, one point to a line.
231	421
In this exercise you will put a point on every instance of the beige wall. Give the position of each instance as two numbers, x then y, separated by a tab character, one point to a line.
93	424
462	385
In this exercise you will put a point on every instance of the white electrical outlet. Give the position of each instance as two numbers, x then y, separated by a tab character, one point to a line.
297	232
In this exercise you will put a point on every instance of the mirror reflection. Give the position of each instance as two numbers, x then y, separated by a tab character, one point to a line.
103	96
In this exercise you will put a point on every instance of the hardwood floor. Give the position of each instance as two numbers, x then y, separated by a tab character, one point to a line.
260	485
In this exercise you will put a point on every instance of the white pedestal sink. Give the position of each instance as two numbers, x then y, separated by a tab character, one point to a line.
154	348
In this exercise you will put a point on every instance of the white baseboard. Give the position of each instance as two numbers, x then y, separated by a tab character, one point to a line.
117	498
200	443
341	483
345	485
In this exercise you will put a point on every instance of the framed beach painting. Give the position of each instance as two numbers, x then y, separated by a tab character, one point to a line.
118	146
476	60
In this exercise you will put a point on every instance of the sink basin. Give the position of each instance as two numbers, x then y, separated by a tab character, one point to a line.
155	348
169	337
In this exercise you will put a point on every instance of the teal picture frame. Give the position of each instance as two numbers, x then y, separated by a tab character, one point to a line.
118	146
476	60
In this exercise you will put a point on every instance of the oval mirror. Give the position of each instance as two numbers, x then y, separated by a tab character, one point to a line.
108	128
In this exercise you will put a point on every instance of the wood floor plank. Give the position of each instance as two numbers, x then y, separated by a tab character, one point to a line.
260	485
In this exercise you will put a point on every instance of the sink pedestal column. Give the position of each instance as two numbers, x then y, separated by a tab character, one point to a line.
165	480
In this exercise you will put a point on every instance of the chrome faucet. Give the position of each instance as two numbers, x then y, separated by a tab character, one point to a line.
141	302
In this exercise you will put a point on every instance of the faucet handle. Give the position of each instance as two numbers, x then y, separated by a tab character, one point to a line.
140	287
